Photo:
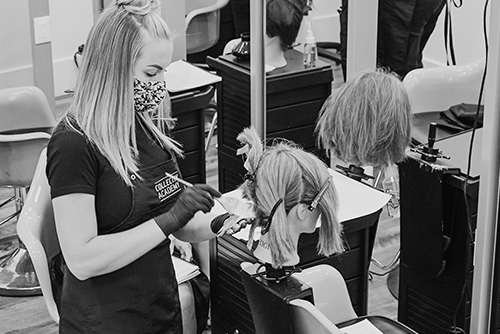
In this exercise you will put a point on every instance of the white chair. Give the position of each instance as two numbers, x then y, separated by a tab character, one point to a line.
434	90
27	122
307	319
332	305
202	24
328	285
331	298
438	88
36	228
25	127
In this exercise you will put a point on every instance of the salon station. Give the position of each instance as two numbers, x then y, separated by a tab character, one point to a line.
348	141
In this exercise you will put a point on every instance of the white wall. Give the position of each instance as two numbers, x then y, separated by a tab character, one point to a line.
324	20
468	37
467	31
15	44
71	21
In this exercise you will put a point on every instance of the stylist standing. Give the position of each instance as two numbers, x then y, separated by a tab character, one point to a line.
113	202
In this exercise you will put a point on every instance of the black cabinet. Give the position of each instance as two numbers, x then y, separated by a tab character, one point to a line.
188	107
438	220
294	97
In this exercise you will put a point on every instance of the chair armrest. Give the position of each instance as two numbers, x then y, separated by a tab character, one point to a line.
306	318
218	5
23	137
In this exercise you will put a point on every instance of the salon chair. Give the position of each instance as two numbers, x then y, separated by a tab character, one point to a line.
202	24
27	122
434	90
329	308
438	88
306	319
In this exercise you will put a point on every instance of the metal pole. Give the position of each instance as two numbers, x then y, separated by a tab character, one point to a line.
361	36
257	62
487	217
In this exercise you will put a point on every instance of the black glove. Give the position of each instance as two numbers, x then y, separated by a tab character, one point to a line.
218	222
229	223
191	200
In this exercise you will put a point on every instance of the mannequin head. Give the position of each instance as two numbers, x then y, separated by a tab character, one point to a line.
291	189
367	121
283	19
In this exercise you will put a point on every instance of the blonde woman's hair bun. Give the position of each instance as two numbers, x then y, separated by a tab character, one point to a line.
138	7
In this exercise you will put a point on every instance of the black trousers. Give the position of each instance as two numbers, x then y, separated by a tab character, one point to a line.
404	27
241	16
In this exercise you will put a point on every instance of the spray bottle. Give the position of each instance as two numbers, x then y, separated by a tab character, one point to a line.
391	186
310	50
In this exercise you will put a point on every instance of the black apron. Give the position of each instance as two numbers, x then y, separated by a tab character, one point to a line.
141	297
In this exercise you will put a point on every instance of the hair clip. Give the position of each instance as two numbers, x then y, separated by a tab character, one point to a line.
267	224
319	196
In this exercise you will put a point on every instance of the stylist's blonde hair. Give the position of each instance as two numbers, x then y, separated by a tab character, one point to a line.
367	121
103	104
285	171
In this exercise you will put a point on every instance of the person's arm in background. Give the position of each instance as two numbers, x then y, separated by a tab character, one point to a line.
186	293
184	249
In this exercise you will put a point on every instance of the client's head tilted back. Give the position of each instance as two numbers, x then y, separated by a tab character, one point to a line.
290	189
367	121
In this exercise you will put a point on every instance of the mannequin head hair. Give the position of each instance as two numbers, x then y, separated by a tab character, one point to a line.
283	19
367	121
281	178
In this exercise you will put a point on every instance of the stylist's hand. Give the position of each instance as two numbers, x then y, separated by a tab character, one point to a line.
229	223
199	197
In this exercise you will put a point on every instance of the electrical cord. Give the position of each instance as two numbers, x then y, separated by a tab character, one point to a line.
448	35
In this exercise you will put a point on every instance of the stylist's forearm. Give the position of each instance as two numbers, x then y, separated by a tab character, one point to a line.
107	253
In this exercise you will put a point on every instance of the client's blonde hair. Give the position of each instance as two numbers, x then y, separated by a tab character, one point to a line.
367	121
285	171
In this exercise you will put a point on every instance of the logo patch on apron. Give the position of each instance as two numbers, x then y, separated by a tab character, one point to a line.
167	188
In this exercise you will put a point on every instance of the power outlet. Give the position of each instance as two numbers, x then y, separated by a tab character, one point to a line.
42	29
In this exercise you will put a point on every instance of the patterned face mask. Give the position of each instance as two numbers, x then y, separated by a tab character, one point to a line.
148	95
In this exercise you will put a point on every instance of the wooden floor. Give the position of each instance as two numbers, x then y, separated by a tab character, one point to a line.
19	315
